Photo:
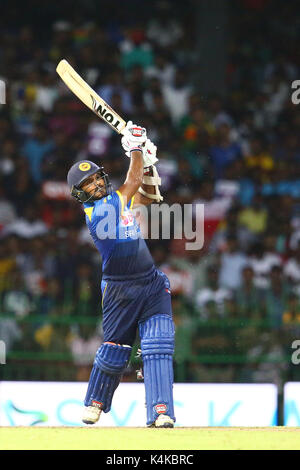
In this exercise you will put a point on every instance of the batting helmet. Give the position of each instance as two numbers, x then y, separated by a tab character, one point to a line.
79	173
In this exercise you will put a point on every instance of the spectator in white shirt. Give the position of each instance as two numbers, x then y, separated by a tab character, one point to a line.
163	29
176	97
212	299
29	226
232	263
292	267
46	93
262	263
163	70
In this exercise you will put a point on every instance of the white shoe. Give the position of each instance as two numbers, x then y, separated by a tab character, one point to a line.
163	421
91	414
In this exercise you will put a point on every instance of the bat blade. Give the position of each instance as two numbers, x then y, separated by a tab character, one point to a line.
89	97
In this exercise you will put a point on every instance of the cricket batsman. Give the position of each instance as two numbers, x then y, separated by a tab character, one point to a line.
135	294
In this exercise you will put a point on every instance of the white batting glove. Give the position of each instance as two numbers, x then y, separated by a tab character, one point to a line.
149	153
133	137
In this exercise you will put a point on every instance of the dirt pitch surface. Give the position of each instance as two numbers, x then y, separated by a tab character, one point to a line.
204	438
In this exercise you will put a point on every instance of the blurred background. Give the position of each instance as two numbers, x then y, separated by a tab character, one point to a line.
211	82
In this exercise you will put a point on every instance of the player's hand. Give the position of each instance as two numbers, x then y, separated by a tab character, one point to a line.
149	153
133	138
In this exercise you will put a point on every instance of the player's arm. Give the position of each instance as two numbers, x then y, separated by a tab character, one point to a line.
134	176
148	191
133	138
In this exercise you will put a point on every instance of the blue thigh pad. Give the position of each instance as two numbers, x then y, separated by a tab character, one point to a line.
109	364
157	345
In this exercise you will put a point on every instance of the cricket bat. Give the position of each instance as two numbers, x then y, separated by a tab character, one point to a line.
89	97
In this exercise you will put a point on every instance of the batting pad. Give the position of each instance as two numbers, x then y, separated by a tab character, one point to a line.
157	345
110	362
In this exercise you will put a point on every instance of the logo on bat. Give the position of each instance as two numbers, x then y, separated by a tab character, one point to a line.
104	113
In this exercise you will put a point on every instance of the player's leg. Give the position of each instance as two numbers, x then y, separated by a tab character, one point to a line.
110	362
120	321
157	333
157	345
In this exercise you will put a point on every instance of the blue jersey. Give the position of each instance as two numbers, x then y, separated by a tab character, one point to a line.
117	236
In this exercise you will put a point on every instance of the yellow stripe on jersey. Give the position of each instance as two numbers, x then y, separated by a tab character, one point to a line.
88	211
104	294
132	201
122	201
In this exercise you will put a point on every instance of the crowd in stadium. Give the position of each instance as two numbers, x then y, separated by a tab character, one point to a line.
238	153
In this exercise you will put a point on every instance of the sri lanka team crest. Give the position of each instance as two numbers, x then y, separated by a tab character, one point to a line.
84	166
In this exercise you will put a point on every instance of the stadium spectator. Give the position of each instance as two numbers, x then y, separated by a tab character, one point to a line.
230	227
164	29
83	344
276	297
248	298
35	150
262	264
212	301
223	151
254	218
176	96
292	268
215	207
162	70
232	262
28	226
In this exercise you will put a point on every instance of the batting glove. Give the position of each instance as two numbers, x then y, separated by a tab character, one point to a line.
149	153
133	138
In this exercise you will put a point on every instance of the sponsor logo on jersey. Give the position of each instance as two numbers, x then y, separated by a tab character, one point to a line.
127	219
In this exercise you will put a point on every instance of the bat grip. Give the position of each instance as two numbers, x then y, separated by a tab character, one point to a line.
122	131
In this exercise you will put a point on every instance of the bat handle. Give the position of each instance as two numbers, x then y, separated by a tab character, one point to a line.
122	130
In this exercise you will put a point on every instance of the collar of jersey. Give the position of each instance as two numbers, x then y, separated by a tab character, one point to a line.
92	203
88	204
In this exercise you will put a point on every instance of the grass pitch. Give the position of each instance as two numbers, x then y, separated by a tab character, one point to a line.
205	438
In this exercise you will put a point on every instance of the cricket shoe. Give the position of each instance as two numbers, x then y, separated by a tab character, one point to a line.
92	413
163	421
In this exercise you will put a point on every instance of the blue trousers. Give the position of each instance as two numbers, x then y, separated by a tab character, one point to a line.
125	304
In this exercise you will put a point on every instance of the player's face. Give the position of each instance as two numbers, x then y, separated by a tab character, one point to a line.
95	186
